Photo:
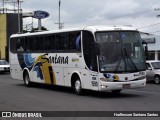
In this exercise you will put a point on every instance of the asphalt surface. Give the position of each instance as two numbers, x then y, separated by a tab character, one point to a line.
14	96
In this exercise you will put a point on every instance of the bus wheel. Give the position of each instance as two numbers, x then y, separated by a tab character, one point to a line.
78	87
27	80
116	91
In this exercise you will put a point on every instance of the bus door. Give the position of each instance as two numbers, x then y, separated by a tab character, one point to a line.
90	59
93	70
94	80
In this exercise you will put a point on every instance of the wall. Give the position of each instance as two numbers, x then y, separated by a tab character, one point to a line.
3	35
8	26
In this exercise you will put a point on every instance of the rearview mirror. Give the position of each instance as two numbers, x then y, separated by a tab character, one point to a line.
146	52
145	49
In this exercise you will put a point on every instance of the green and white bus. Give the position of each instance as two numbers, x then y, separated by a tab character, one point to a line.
100	58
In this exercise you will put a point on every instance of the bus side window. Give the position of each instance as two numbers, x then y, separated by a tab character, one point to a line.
64	41
71	41
38	42
13	45
78	42
29	44
20	45
50	42
75	41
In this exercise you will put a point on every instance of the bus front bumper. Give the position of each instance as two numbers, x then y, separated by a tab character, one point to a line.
107	86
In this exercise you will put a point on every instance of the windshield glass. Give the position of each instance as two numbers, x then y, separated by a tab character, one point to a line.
3	62
156	65
120	52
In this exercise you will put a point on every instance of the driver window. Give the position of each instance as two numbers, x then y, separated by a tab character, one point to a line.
148	67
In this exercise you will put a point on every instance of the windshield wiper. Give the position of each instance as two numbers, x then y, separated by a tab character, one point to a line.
119	61
130	59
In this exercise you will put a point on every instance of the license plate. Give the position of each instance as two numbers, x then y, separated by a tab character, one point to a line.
126	86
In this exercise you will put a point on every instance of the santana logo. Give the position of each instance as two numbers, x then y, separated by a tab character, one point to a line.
55	59
58	60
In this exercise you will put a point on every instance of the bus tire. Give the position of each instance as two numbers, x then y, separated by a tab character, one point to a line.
78	87
27	82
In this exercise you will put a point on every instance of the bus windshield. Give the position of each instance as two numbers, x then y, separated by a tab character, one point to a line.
120	51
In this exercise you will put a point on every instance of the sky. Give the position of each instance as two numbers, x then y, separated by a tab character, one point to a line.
140	14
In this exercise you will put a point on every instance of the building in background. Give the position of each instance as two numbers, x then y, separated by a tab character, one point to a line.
153	45
10	23
8	26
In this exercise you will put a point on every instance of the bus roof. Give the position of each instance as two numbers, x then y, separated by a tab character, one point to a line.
109	28
89	28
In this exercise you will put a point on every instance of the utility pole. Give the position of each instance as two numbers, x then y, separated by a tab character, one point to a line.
19	25
59	14
3	6
60	25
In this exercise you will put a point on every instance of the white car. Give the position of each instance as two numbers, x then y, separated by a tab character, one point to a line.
4	66
153	71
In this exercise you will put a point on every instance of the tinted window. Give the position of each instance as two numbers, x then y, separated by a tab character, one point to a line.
61	42
74	41
20	44
29	44
13	45
50	42
38	43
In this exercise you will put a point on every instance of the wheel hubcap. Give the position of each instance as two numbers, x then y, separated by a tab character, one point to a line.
78	85
157	80
27	80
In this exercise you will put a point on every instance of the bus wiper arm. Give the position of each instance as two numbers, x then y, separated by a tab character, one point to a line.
119	61
130	59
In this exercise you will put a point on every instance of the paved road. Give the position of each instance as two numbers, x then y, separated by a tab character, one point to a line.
14	96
